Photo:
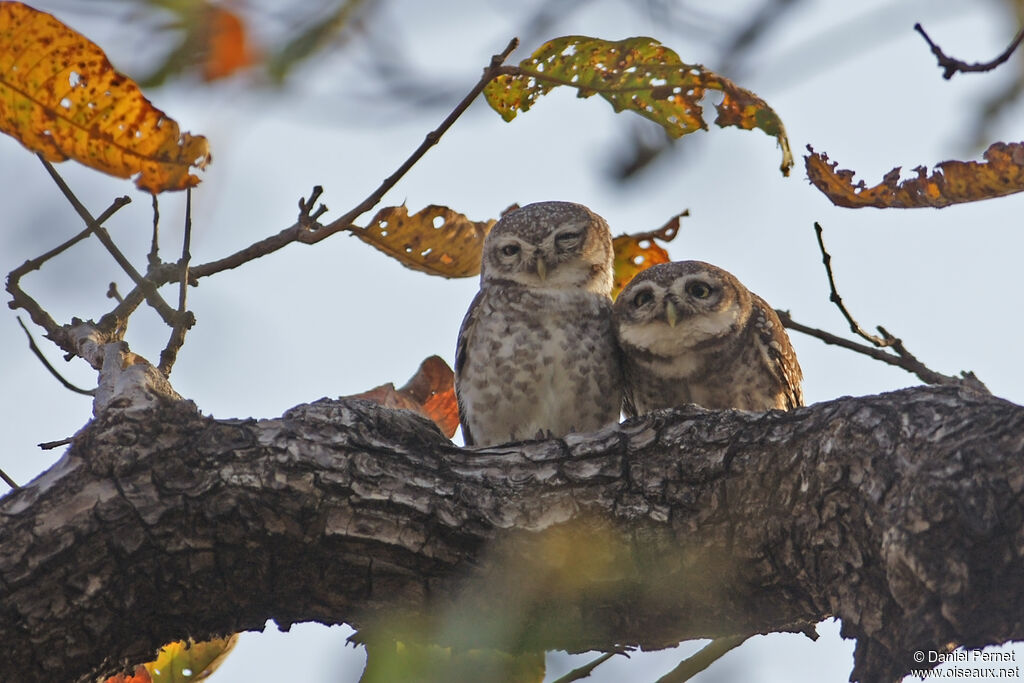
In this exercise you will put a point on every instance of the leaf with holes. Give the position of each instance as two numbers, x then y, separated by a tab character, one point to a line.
60	97
430	392
637	252
436	240
952	182
637	74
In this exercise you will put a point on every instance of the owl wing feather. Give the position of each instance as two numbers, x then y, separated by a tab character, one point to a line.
462	358
628	400
782	362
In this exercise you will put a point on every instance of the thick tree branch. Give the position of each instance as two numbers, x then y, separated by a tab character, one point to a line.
898	513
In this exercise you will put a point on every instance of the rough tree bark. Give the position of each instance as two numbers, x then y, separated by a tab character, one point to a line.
900	513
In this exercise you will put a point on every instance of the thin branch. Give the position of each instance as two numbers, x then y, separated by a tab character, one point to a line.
7	480
702	659
430	140
50	445
37	263
901	358
177	339
306	230
53	371
951	66
19	299
112	293
154	248
834	297
585	670
152	296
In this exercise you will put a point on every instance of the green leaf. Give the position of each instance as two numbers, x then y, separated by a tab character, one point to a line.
637	74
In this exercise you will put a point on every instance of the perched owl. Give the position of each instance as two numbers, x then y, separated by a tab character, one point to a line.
536	354
692	333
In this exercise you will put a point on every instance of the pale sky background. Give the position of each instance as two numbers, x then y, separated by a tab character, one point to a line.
852	79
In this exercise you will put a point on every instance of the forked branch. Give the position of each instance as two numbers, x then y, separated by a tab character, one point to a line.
900	356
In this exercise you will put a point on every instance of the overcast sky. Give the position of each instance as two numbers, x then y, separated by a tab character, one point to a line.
852	79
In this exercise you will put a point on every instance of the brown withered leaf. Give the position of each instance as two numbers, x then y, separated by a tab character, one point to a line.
637	252
435	240
430	392
952	182
61	97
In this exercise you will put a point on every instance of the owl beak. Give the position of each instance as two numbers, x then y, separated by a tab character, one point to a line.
542	269
671	313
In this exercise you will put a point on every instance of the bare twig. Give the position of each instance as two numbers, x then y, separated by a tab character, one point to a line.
702	659
50	445
901	358
585	670
112	293
154	247
309	212
177	339
834	297
53	371
152	296
19	299
37	263
306	230
951	66
8	480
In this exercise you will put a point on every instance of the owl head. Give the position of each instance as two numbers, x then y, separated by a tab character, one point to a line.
672	308
550	245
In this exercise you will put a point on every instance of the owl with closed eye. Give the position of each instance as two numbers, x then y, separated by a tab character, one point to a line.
536	354
690	332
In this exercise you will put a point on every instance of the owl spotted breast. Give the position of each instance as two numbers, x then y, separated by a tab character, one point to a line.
692	333
536	354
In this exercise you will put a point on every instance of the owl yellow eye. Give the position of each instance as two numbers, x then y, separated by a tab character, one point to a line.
643	298
510	249
700	290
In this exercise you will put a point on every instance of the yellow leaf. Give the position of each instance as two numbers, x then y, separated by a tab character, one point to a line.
436	240
637	252
952	182
639	74
186	662
60	97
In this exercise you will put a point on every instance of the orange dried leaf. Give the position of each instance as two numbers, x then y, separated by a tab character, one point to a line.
141	675
187	661
637	252
952	182
436	240
430	392
637	74
228	49
60	97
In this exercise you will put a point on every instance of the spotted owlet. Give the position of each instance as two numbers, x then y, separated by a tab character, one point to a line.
536	354
692	333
